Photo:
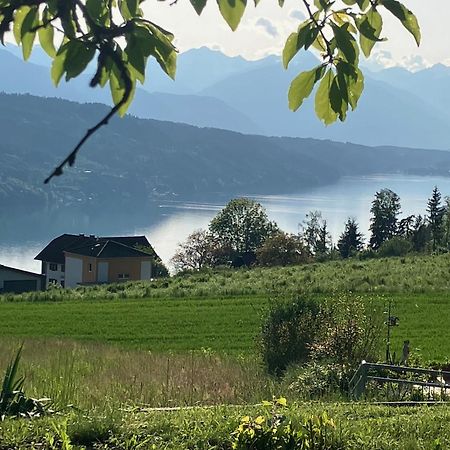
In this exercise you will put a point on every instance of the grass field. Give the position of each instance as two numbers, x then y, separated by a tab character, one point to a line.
358	427
228	325
192	340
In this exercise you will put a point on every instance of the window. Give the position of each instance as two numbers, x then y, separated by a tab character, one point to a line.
53	267
63	267
52	281
123	276
90	267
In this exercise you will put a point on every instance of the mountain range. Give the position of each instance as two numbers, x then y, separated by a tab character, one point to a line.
398	107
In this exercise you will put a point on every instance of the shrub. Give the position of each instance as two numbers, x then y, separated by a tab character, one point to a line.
344	330
397	246
288	333
316	380
350	330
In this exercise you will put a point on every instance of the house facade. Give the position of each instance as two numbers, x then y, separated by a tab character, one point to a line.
16	281
72	260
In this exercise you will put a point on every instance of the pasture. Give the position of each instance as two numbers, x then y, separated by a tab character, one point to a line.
222	325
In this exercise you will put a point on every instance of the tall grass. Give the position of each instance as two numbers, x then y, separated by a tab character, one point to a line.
96	375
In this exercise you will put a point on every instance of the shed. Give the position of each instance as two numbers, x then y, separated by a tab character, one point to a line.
16	280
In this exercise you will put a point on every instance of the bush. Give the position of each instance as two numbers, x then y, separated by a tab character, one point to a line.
317	380
282	249
397	246
350	330
288	333
343	330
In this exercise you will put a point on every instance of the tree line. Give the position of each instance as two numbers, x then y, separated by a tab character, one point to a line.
241	234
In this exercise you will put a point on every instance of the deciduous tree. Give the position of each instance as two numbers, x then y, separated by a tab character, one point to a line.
315	234
383	223
242	226
198	251
282	249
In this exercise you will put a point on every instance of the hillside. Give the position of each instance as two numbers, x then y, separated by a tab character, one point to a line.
133	163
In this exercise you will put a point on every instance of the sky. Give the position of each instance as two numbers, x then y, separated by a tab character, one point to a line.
264	29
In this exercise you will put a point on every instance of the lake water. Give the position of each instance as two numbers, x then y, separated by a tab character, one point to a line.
350	197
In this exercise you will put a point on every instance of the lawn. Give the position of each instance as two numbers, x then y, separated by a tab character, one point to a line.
227	325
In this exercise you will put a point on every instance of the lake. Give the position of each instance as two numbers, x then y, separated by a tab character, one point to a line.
350	197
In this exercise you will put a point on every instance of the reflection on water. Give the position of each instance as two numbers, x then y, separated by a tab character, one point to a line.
174	221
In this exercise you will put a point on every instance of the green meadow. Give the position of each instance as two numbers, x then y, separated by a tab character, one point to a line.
107	354
225	325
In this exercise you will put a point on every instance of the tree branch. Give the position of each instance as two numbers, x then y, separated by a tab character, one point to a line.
70	159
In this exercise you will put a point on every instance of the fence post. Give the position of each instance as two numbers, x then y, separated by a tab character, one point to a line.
357	384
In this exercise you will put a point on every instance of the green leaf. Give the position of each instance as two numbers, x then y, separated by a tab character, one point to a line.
322	5
98	11
58	69
46	37
129	8
302	86
135	58
355	89
339	97
79	55
117	86
345	42
406	17
369	27
198	5
156	42
295	42
232	11
363	4
324	109
28	31
353	79
19	17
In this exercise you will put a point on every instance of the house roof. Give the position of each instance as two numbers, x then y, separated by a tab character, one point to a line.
106	248
54	251
23	272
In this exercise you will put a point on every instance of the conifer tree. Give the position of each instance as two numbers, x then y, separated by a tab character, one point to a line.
351	240
435	218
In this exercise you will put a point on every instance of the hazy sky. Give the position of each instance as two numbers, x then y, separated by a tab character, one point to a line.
263	30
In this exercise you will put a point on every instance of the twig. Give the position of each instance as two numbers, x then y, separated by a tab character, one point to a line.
319	27
70	159
125	76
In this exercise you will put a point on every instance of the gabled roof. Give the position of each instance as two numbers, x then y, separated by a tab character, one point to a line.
23	272
108	249
54	251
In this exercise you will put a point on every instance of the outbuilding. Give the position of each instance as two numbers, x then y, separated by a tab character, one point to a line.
17	281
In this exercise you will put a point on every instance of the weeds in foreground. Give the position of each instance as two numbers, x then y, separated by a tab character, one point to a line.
13	401
274	431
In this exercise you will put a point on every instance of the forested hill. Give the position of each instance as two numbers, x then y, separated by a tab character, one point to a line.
134	161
